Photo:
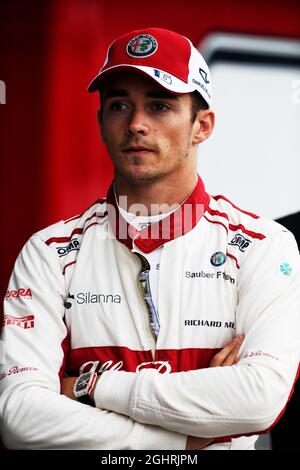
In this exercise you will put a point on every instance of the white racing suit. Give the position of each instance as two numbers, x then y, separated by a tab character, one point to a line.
75	303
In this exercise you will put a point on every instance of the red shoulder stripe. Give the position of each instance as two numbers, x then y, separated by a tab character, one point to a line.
218	213
216	222
78	231
219	196
241	227
91	225
96	214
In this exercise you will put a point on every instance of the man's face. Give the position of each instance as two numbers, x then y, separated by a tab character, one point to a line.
147	130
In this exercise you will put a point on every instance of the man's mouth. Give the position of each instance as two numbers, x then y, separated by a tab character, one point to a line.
137	150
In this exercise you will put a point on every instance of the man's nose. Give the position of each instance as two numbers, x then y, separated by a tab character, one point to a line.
138	123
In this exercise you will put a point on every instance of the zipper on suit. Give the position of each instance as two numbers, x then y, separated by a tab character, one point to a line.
151	321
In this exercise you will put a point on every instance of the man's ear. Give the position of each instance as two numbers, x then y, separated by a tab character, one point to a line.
203	125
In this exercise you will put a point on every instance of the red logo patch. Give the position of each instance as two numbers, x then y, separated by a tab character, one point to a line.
18	294
23	322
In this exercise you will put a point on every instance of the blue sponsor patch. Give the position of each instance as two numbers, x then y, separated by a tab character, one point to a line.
286	269
163	76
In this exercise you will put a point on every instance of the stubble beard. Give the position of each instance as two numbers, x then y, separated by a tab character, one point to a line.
152	173
135	176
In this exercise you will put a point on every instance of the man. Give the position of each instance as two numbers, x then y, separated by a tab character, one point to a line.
149	292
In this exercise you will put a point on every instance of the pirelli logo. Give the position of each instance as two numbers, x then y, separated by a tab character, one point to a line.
23	322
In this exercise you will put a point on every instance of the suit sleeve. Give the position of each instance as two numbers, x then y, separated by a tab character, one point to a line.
33	413
228	401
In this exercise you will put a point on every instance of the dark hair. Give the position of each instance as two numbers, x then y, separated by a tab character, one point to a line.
198	104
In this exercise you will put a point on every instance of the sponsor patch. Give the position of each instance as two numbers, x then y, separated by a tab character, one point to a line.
165	77
218	258
23	322
16	370
201	86
96	366
64	250
143	45
92	298
210	323
204	75
22	293
286	269
258	354
162	367
240	241
218	275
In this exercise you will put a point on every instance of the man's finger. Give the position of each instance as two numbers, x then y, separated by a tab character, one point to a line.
198	443
231	358
232	347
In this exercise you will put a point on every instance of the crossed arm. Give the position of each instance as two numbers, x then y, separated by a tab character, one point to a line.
226	357
131	408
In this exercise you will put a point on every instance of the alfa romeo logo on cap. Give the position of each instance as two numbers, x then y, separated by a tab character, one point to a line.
142	46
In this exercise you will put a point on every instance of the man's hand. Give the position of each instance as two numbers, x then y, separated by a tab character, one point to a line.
67	384
226	357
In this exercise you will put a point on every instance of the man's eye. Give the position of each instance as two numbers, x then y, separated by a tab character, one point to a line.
117	106
160	107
